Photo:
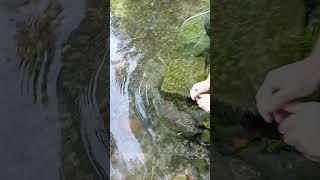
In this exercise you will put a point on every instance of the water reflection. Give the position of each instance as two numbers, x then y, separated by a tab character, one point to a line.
52	96
36	48
84	152
122	127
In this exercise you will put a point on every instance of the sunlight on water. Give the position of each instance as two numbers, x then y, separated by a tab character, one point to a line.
128	147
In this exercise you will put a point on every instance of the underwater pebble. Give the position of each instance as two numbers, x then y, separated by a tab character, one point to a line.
180	177
239	143
134	124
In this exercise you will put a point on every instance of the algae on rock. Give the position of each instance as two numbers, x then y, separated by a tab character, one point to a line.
187	61
182	73
192	38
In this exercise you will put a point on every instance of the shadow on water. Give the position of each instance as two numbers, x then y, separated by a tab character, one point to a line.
53	95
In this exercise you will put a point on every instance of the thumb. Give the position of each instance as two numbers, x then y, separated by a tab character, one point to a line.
294	107
202	95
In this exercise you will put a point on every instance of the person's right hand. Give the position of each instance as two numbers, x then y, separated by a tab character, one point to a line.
285	84
199	88
301	128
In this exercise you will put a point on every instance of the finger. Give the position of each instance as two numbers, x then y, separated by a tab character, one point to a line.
194	94
285	124
289	139
202	106
279	99
297	107
262	98
293	107
200	101
300	147
277	117
311	157
280	115
191	94
267	116
202	95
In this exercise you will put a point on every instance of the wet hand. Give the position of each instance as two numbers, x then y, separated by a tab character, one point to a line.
285	84
203	100
199	88
301	128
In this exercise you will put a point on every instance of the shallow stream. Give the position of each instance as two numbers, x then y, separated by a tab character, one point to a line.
142	147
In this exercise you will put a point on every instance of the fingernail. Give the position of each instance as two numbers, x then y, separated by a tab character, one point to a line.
277	119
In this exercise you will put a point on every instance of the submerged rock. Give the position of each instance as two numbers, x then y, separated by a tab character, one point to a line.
192	39
180	177
180	121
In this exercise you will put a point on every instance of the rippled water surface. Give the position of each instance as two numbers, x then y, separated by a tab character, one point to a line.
52	96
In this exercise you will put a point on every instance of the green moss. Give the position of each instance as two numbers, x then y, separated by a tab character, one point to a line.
206	123
205	136
276	145
158	38
184	65
182	73
192	38
194	107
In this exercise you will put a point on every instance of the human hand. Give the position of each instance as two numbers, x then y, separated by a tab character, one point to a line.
203	101
199	88
285	84
301	128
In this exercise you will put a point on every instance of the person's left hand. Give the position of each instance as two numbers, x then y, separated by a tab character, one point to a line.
203	101
301	128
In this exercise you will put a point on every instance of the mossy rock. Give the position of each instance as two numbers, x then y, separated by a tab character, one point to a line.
192	38
206	123
182	73
250	39
276	145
